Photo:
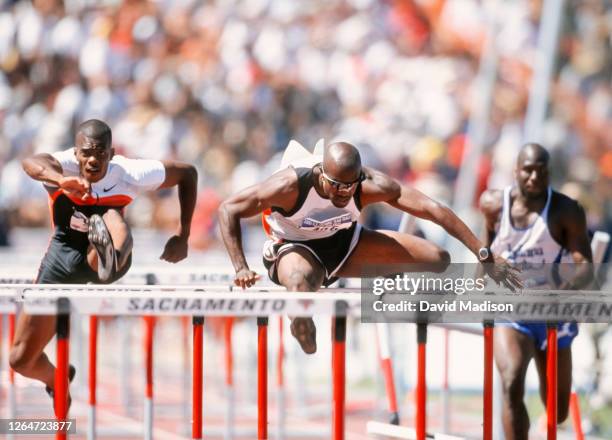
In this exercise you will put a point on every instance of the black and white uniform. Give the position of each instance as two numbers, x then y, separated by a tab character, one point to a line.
66	259
328	232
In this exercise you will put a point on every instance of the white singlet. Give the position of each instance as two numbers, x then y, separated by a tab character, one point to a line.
531	248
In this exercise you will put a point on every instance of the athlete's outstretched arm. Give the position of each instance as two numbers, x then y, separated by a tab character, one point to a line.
185	177
278	190
381	188
45	168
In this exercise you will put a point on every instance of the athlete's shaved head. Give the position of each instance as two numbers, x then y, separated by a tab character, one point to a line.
531	171
342	157
341	172
533	152
96	130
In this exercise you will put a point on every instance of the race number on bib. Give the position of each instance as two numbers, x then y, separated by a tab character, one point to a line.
79	222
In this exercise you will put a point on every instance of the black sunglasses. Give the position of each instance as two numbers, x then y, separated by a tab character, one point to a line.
342	186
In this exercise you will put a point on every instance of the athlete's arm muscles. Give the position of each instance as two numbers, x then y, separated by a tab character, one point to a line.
490	205
278	190
185	176
44	168
576	241
381	188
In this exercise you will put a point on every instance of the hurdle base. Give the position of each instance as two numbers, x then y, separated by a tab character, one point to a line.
230	414
91	422
148	418
394	419
403	432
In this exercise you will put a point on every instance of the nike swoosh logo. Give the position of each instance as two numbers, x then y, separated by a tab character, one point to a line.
108	189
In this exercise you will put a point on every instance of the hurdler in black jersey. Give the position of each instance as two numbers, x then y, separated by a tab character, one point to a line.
89	187
328	232
311	215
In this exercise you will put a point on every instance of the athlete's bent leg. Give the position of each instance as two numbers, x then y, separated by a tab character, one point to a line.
32	334
384	248
299	271
513	351
121	234
121	237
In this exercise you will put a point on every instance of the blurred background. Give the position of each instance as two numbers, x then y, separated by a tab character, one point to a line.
226	84
440	94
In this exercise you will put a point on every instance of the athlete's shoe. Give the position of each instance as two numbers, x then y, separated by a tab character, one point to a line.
102	242
304	330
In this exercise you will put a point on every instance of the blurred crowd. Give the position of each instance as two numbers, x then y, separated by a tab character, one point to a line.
226	84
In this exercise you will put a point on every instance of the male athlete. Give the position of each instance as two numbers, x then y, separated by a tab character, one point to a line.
88	188
315	234
531	225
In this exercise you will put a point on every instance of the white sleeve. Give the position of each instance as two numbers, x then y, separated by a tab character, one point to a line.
67	159
143	174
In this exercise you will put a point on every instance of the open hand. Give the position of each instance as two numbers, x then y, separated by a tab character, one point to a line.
502	272
175	250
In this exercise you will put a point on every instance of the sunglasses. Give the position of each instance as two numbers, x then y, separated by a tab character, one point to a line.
342	186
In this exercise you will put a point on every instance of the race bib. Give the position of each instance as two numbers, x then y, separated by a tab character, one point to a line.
79	222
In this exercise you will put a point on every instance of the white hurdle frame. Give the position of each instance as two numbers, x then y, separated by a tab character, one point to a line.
116	300
97	299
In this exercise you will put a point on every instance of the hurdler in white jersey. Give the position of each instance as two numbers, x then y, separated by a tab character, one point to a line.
125	179
535	227
88	188
531	249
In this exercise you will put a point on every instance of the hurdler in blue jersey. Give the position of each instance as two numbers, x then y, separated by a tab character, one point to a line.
89	187
534	227
312	215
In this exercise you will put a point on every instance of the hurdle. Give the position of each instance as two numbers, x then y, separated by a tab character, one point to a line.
551	381
407	226
229	378
117	300
8	306
197	384
486	331
420	430
599	245
137	300
90	384
384	353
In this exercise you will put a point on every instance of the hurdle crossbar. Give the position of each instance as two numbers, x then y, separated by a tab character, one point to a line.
116	300
181	301
8	302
